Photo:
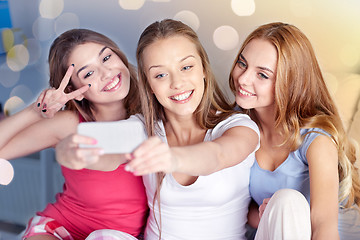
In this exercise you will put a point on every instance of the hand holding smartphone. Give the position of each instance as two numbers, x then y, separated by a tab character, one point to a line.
114	137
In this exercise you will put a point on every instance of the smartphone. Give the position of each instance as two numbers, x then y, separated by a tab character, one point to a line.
122	136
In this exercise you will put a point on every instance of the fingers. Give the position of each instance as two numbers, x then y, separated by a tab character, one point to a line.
40	99
71	156
41	102
78	92
147	146
80	139
50	103
151	156
263	206
66	78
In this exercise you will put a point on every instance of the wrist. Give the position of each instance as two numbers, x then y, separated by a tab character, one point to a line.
34	111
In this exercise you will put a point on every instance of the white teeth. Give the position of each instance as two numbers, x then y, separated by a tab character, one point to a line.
112	85
245	93
182	96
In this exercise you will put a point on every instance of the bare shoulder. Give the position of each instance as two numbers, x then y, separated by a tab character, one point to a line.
322	142
322	148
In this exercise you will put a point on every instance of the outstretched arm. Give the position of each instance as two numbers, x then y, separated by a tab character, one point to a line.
204	158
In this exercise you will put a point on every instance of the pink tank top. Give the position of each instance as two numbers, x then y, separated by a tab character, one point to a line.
93	200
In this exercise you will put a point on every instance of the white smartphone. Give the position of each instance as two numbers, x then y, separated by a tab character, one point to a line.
114	137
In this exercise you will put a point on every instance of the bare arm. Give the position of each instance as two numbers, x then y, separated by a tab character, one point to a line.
14	124
36	128
322	157
199	159
30	138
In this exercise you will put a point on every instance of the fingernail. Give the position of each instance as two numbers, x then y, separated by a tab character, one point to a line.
89	85
132	156
94	141
73	65
44	110
38	104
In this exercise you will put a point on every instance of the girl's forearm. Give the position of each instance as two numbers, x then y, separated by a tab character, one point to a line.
11	126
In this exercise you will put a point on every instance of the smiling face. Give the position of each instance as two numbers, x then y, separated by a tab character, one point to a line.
175	74
99	66
254	75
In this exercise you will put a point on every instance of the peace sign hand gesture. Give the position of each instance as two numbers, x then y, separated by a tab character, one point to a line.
52	100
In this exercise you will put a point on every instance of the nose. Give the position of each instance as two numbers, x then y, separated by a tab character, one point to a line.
105	73
243	77
176	82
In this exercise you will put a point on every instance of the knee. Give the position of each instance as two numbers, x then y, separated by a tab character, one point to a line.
285	197
288	195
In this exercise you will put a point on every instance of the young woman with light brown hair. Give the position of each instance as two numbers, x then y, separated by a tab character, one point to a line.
278	82
196	163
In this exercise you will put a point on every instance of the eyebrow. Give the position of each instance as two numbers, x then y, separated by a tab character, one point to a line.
262	68
82	68
181	60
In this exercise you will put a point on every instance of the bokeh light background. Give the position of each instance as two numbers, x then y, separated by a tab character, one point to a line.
332	26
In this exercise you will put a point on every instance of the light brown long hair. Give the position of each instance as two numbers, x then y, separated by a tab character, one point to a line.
59	55
302	100
213	107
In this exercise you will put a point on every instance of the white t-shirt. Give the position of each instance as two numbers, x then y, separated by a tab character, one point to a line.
213	207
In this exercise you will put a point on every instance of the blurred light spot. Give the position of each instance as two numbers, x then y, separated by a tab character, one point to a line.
348	95
226	38
66	22
17	58
43	29
13	105
8	39
302	8
51	8
331	82
12	37
6	172
188	18
131	4
349	55
8	77
243	7
34	50
22	92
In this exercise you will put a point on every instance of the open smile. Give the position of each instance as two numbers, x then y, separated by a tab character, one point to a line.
114	84
243	92
182	97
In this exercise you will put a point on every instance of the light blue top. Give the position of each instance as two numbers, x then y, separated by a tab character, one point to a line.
294	173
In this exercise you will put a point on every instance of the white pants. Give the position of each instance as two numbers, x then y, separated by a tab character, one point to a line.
286	217
109	234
